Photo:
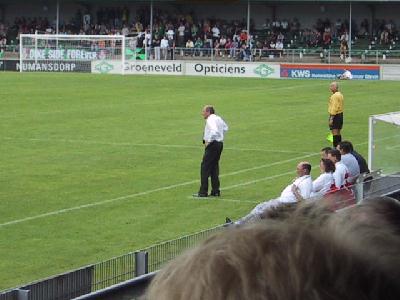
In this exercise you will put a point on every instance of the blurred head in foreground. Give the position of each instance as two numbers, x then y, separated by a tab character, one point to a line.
310	253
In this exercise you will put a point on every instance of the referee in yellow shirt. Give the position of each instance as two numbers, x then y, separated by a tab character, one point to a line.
335	110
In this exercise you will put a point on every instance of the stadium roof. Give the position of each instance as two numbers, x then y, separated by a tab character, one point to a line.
194	1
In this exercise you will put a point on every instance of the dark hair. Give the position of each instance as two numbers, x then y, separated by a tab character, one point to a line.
335	153
345	147
307	167
328	165
210	109
326	149
349	144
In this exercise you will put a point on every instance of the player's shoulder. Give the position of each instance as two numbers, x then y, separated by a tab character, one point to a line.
338	95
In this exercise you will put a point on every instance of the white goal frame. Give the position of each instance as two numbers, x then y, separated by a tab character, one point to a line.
31	50
392	118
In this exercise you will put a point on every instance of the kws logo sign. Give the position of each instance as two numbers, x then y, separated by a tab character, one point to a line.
300	73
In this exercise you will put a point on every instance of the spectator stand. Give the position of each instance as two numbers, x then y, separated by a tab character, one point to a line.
281	37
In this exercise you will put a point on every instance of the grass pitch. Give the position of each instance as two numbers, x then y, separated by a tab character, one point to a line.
92	167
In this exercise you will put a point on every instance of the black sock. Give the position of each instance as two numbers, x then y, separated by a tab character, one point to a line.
336	140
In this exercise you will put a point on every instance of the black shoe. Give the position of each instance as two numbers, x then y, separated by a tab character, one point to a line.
228	222
198	195
215	194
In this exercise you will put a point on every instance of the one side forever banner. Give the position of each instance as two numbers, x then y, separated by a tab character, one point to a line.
329	71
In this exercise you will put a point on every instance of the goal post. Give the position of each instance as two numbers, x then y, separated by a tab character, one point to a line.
384	142
74	53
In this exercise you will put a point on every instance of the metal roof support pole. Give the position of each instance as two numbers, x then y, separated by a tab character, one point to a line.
58	17
248	22
350	31
151	29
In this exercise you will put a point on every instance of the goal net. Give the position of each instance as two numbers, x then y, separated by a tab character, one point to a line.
74	53
384	142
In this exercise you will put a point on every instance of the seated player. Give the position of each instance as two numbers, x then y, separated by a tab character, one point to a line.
298	190
349	160
324	182
346	75
341	172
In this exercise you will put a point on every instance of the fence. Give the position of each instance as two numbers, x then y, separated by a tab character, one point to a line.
302	55
288	55
104	274
112	272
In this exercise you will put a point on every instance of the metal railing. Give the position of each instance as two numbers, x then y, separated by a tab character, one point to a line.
108	273
287	55
159	254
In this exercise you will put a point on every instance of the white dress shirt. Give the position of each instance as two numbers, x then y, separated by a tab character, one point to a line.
347	74
215	129
304	183
340	174
322	184
164	43
352	165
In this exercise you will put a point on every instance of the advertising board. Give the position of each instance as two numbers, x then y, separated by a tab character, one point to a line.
318	71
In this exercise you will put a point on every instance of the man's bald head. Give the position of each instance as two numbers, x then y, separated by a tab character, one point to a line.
207	110
303	168
334	87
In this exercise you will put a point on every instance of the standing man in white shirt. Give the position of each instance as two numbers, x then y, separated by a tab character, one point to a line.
164	48
213	138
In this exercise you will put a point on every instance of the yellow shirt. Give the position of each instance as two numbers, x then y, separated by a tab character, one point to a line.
335	105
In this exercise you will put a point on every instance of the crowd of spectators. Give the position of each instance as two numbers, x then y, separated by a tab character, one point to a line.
203	36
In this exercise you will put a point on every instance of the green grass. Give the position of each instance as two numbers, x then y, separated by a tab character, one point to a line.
68	140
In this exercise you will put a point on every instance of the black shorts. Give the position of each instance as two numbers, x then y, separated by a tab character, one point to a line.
337	122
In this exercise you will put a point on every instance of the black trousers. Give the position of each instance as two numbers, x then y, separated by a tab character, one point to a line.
210	167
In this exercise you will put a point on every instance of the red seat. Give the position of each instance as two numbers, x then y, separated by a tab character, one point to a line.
339	198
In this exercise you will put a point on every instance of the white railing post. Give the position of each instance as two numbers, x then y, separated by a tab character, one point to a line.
123	55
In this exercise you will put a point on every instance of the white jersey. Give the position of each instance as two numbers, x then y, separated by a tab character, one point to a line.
347	75
304	183
322	184
340	175
352	165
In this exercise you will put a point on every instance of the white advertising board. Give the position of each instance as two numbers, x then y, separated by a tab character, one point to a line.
390	72
223	69
216	69
138	67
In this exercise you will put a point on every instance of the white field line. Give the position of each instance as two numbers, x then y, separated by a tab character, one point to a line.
212	199
392	147
257	180
102	202
149	145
